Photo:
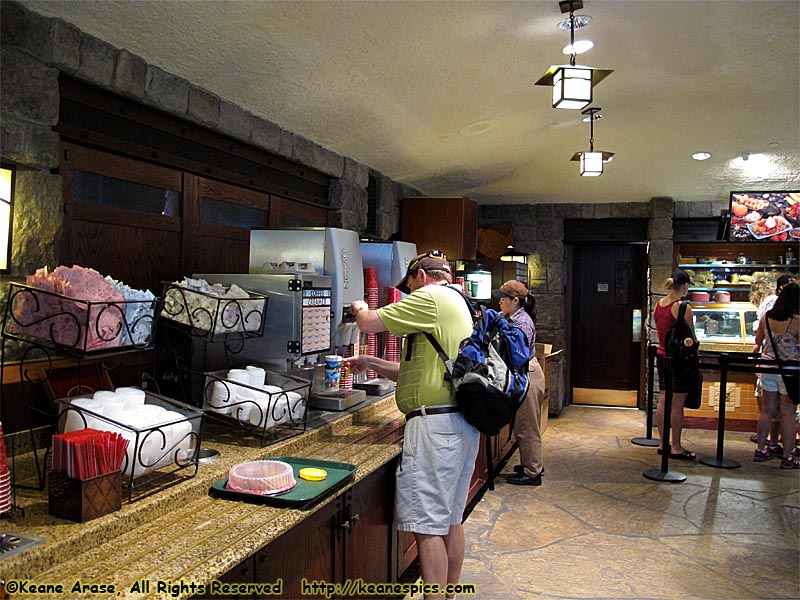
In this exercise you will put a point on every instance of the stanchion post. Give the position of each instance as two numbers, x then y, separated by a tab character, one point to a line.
648	440
718	461
663	474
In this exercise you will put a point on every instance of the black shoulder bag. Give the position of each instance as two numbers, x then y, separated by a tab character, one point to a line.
790	380
685	359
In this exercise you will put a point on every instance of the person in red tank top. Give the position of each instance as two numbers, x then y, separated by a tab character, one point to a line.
664	316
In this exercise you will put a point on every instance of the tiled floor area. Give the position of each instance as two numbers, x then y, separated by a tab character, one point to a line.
597	528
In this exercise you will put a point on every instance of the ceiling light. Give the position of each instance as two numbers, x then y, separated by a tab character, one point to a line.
572	84
701	155
592	160
579	47
588	118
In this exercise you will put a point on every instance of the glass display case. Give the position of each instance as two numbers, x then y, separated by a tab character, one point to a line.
724	326
732	268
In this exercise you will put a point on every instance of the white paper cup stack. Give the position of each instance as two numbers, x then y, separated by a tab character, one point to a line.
75	420
256	376
132	397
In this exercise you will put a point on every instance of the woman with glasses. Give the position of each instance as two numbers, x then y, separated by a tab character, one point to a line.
519	306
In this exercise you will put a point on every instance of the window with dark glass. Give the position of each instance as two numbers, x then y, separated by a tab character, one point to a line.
102	190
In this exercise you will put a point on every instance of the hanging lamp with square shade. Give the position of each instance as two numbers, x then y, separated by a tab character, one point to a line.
592	160
572	84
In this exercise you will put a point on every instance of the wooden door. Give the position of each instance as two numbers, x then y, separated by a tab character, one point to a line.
368	537
308	551
607	287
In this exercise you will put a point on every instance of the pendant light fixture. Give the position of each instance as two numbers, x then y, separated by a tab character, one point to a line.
592	160
573	84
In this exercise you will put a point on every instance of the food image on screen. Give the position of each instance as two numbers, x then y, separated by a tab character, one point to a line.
764	216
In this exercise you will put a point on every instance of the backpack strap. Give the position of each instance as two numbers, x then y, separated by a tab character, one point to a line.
448	362
681	311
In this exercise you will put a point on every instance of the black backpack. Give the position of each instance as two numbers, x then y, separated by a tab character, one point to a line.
681	346
489	376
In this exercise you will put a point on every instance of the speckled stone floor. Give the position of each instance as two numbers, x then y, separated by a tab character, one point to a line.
597	528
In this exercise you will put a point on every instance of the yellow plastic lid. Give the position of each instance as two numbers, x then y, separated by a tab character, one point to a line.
313	474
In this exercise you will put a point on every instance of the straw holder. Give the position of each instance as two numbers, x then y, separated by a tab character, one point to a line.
82	500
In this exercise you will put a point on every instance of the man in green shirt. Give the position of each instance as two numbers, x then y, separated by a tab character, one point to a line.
439	446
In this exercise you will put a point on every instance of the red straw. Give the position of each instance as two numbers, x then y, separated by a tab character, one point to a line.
87	453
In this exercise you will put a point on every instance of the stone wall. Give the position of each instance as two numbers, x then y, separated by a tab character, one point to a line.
538	231
35	49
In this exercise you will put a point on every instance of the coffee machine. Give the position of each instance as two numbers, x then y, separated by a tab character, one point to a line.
322	251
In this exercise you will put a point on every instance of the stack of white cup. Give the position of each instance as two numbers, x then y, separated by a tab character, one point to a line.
161	432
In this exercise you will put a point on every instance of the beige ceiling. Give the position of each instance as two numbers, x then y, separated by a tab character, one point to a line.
441	94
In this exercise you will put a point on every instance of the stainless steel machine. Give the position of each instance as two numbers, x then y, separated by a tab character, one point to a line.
390	260
298	319
305	272
335	253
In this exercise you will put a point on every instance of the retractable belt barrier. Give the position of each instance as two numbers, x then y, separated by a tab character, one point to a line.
727	362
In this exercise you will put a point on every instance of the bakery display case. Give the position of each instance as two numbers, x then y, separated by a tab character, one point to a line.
724	327
722	272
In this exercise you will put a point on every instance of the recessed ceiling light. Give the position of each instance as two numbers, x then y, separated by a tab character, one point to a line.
701	155
579	47
580	21
773	145
478	127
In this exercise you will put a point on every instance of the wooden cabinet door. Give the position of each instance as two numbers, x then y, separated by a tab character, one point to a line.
287	213
368	538
241	573
123	217
218	225
481	473
308	551
448	224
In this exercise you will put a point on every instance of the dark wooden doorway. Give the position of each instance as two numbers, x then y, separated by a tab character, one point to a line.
608	291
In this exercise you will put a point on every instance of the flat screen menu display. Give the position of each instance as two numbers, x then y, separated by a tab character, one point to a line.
764	217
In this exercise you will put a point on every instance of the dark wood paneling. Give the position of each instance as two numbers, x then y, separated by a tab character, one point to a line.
223	255
241	573
368	549
93	213
309	551
286	213
605	230
120	167
448	224
100	118
142	258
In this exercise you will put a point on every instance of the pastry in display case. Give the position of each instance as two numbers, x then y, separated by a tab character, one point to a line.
725	280
725	326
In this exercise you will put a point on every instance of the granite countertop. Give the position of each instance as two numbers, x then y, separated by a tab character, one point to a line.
181	533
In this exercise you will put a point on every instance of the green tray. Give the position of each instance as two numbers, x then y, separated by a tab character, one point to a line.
302	493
